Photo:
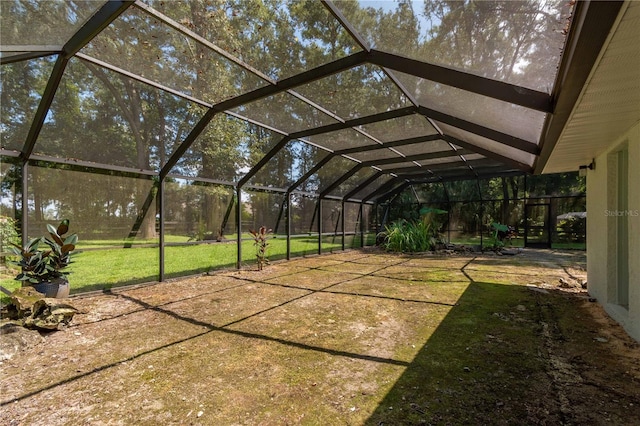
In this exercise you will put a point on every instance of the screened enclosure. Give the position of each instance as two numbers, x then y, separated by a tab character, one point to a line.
166	130
547	211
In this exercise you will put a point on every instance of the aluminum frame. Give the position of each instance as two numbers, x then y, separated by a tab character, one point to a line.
588	32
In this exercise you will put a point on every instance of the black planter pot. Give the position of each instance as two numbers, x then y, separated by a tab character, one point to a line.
57	287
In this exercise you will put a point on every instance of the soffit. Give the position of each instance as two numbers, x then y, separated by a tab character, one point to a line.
610	101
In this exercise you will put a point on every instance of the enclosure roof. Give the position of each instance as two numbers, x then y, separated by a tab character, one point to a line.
608	104
344	99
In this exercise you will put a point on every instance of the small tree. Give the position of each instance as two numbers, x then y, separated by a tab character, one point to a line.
261	244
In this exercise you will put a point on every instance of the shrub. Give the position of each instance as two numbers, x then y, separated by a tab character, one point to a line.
8	236
404	236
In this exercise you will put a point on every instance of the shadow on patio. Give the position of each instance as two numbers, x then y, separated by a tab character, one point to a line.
347	339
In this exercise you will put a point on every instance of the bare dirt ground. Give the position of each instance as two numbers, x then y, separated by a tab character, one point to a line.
354	338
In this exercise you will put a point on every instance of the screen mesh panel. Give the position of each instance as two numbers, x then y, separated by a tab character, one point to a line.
114	120
111	213
143	45
502	116
21	88
409	126
516	42
43	23
357	92
273	37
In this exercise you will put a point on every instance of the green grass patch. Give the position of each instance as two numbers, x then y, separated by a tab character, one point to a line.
569	246
111	267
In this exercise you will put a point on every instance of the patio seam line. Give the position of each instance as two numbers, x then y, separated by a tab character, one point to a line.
341	293
294	299
104	292
212	328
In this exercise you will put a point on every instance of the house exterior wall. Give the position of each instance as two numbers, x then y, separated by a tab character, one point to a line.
602	231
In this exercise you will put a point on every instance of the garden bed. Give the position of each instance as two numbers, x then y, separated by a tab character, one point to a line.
360	337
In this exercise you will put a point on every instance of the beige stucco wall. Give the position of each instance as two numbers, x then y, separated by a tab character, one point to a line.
601	232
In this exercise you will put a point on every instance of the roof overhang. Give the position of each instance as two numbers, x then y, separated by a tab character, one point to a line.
608	102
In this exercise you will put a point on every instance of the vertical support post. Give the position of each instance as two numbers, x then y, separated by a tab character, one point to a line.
526	194
288	224
549	228
239	226
361	219
446	194
526	223
319	225
161	230
481	212
342	227
25	203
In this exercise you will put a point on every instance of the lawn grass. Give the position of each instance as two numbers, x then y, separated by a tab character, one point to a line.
97	267
104	264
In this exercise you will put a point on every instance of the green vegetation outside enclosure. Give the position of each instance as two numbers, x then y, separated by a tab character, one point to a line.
106	268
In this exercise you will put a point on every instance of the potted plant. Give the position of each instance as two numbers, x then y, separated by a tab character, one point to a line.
42	269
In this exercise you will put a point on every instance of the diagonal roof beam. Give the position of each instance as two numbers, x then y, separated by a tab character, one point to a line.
355	122
488	153
141	79
43	106
363	185
281	86
503	138
100	20
442	166
511	93
400	86
264	160
346	24
335	11
341	179
193	35
337	126
401	142
311	172
186	31
187	142
394	190
305	77
387	186
420	157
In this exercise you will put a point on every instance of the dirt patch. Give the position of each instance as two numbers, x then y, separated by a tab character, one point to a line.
361	337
